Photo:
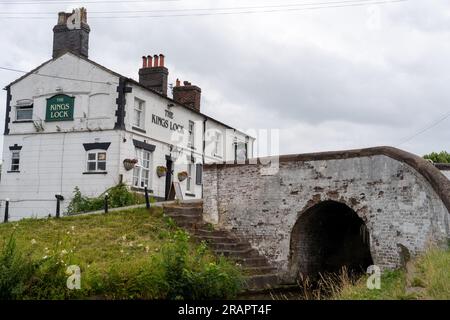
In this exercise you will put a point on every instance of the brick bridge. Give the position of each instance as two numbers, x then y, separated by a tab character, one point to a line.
316	212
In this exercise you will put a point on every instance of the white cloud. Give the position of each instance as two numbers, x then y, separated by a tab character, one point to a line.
328	79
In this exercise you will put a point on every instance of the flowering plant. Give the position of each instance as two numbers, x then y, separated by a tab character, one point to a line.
129	163
161	171
182	175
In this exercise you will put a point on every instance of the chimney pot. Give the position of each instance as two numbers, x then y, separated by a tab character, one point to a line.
188	95
149	61
75	40
144	62
155	75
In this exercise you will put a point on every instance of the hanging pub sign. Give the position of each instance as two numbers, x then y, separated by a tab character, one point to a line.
60	108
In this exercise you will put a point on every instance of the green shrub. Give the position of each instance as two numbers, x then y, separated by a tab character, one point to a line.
118	196
16	269
49	281
438	157
24	278
195	276
175	272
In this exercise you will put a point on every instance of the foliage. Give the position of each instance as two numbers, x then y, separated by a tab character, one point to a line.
441	157
431	279
16	269
118	196
132	254
182	175
161	171
24	278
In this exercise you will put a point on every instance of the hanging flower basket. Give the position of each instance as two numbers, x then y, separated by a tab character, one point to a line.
161	171
129	163
182	175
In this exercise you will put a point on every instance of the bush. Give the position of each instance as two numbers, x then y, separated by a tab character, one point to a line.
173	273
24	278
16	270
441	157
118	196
195	276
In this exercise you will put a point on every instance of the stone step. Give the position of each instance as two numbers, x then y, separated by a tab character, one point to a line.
203	231
182	210
244	253
262	282
184	218
251	262
217	239
258	270
229	245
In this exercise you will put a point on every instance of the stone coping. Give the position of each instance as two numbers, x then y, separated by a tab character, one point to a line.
443	166
429	171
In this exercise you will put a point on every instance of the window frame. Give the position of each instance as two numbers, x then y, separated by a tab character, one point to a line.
236	150
27	107
191	130
189	170
139	169
13	152
139	108
96	161
217	144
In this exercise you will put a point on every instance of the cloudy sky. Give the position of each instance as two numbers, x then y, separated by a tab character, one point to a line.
349	76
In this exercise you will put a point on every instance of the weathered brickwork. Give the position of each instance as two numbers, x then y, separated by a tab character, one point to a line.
400	208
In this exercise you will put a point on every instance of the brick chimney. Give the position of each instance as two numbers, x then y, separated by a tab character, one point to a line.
71	33
187	94
153	74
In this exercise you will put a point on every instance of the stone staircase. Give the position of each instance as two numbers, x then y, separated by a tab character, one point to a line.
260	275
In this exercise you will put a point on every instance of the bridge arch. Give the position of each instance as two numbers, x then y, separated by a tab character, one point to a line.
326	237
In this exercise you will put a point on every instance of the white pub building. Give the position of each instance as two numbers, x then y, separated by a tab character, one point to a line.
72	122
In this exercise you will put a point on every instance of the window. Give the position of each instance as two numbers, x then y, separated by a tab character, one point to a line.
96	161
217	146
15	160
24	112
240	151
191	134
141	173
190	168
139	113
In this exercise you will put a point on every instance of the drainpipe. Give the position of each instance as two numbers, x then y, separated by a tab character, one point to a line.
204	148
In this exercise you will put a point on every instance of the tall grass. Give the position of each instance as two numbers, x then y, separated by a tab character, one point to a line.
134	254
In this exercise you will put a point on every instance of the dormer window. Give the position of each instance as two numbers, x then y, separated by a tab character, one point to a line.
24	111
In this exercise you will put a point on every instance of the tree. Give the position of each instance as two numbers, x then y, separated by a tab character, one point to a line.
441	157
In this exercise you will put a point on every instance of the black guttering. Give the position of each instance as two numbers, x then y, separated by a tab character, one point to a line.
8	109
122	90
144	145
96	145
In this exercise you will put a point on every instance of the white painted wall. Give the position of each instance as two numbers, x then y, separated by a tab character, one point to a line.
54	161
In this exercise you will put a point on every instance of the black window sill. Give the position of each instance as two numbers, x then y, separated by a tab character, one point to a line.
23	121
189	194
13	171
138	129
95	172
150	191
